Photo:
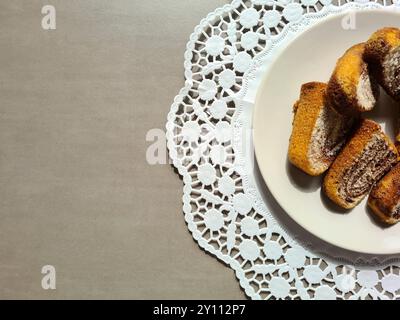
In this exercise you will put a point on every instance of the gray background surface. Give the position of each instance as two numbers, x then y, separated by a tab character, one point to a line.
76	191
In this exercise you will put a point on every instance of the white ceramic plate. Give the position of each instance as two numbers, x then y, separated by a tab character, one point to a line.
312	57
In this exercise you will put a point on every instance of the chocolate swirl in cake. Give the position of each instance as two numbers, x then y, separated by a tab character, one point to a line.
374	162
329	135
391	72
363	161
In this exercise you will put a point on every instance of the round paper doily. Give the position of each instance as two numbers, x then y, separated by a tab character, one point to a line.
227	208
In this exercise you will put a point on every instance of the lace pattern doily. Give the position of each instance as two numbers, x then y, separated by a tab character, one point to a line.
225	205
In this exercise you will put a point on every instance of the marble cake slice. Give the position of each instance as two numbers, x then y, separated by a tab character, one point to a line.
367	156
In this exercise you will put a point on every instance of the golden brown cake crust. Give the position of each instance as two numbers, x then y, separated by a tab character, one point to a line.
384	198
350	153
379	45
306	111
342	87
